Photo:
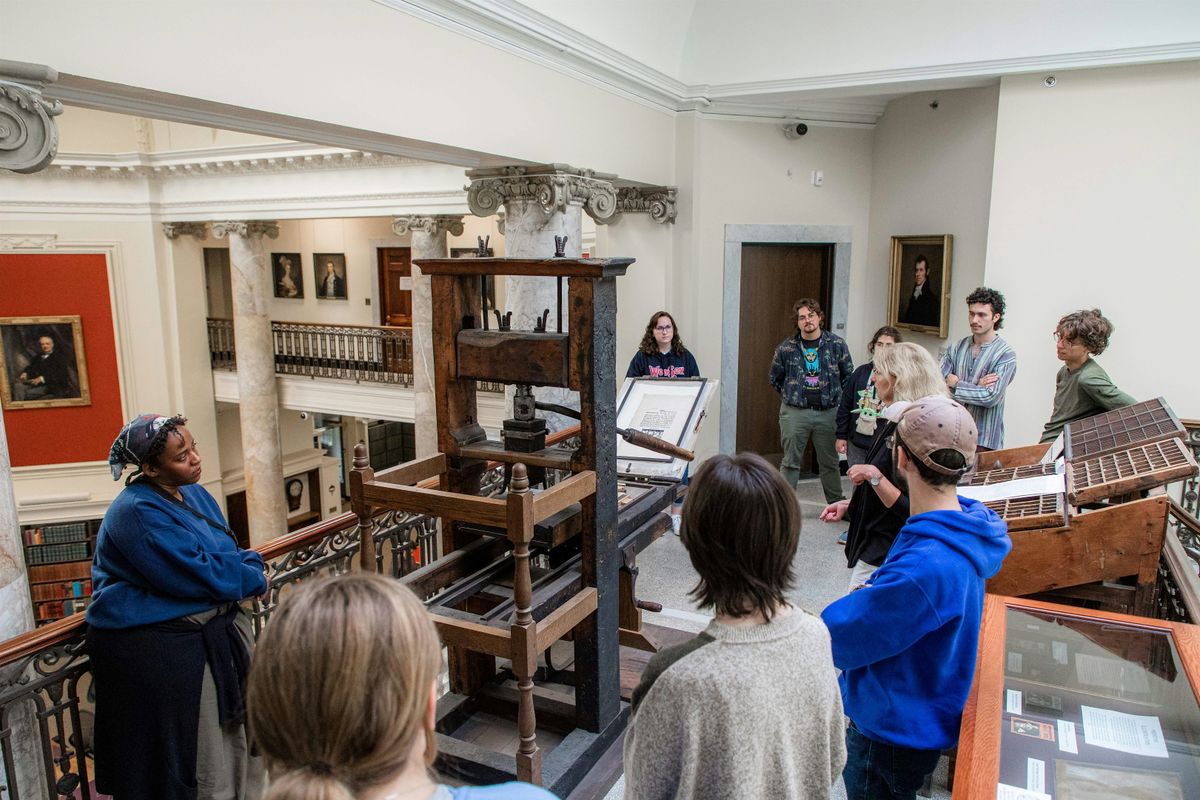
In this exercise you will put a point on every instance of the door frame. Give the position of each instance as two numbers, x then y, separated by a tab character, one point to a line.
840	236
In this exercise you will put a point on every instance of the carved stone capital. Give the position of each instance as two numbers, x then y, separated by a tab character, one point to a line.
500	217
197	230
551	186
432	224
246	228
28	135
657	201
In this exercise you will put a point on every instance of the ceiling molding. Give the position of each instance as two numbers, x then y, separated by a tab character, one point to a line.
509	26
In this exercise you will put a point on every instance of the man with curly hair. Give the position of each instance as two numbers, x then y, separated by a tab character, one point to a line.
1083	388
979	368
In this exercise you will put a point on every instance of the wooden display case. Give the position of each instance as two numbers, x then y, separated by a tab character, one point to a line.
1071	703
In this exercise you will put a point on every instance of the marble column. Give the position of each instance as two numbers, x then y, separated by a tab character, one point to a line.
258	399
540	202
28	142
428	241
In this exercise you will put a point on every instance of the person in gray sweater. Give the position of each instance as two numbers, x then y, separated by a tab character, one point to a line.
750	707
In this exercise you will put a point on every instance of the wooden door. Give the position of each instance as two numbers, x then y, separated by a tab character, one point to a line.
773	278
395	286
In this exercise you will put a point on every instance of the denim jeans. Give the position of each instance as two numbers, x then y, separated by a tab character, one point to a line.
876	770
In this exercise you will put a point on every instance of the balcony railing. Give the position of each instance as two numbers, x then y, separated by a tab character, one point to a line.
346	352
45	678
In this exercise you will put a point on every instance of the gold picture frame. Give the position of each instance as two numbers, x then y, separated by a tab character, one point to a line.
927	311
42	363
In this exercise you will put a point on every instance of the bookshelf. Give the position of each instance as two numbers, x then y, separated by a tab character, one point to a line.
58	557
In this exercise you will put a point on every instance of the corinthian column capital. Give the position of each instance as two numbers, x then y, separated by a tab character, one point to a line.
551	186
197	230
432	224
28	135
246	228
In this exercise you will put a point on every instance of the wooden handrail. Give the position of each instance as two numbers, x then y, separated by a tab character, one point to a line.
27	644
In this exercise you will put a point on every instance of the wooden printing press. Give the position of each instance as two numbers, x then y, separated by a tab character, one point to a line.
526	568
1083	526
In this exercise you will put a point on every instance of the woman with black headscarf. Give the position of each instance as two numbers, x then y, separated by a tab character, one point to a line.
169	644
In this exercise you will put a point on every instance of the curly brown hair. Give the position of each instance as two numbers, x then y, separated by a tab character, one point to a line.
1089	326
649	344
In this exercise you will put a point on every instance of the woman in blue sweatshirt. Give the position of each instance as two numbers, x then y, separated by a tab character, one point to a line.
168	643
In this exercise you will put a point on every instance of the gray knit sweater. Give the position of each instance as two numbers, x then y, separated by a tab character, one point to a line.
751	712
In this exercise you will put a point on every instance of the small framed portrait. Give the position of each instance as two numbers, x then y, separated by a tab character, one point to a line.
329	274
42	364
289	281
920	293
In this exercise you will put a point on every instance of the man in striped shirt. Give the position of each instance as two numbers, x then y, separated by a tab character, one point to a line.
979	368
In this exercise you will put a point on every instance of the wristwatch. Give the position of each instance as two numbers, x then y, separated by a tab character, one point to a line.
875	481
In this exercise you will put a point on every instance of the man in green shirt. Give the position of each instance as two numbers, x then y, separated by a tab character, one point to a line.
1083	388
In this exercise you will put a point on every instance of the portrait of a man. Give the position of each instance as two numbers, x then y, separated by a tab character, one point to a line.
329	271
42	363
289	283
920	281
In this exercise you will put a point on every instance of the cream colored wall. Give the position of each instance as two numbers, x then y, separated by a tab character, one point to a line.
85	130
1095	202
643	290
295	435
367	66
932	174
738	172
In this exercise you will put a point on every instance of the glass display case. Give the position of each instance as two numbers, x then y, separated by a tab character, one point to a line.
1070	703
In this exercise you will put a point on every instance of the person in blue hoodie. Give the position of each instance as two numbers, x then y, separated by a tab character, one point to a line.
906	641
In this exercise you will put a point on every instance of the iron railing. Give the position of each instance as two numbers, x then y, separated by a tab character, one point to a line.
347	352
45	678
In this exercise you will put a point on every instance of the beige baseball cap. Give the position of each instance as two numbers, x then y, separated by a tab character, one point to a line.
938	423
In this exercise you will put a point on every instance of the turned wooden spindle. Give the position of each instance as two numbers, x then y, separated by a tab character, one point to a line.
360	475
523	630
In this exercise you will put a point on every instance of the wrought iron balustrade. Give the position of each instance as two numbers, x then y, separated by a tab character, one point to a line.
45	677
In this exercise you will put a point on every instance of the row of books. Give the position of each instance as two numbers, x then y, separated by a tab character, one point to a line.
62	608
60	591
56	534
51	553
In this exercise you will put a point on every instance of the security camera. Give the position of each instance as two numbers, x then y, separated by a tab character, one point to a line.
794	130
303	415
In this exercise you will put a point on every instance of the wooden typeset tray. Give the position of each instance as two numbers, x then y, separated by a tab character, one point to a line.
551	554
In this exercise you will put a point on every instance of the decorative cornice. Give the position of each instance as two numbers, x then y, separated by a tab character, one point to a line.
551	186
657	201
432	224
197	230
251	160
28	241
246	228
28	135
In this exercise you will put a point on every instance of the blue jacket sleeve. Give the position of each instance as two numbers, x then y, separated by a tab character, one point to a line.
878	621
174	561
778	372
845	363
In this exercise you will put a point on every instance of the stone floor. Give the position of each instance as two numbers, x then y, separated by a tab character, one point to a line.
666	576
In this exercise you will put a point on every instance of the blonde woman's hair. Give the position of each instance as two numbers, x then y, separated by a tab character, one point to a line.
912	368
338	693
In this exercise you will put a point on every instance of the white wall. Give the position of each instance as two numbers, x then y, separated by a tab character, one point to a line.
738	172
1095	202
932	175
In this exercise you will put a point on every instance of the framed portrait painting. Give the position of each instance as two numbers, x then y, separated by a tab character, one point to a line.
42	363
289	281
329	275
920	286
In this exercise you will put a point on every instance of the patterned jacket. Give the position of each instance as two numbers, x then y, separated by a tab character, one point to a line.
787	370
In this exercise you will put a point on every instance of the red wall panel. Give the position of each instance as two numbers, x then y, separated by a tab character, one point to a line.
46	285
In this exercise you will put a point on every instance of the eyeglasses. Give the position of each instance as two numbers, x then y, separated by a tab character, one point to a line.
1058	337
664	328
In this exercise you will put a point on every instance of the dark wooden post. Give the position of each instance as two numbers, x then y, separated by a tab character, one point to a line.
359	475
523	631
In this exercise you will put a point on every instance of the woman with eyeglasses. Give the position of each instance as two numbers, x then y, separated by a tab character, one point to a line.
661	353
1082	388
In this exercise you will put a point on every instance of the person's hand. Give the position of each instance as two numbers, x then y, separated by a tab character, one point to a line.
989	380
835	511
863	472
840	445
266	595
22	377
952	380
